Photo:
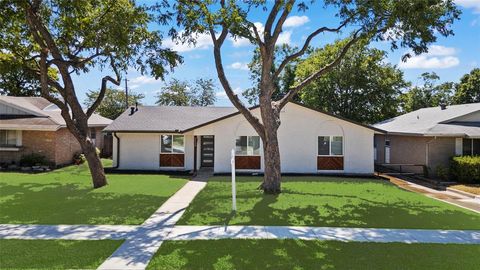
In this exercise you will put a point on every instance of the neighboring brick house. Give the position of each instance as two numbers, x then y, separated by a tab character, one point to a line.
34	125
429	137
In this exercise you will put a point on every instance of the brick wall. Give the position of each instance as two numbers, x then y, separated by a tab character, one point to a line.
66	145
57	146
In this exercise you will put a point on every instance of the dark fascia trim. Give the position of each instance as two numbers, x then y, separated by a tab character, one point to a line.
144	131
238	112
296	103
218	119
339	117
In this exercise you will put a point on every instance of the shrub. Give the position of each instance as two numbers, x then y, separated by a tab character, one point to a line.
466	169
442	172
33	159
79	158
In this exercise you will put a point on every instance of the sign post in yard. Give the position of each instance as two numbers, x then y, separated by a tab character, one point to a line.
234	191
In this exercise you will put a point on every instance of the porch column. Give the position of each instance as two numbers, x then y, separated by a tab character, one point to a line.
195	153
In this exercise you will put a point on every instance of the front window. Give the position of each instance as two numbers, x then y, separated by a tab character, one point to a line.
8	137
471	147
330	146
247	146
173	144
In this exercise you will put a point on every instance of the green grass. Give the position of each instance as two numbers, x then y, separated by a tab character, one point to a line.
325	201
66	196
55	254
298	254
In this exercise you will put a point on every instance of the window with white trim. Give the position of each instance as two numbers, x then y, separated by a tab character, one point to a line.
471	147
8	138
330	145
172	144
247	146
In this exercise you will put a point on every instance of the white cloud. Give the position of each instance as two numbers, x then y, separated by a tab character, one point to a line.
143	80
438	50
239	65
438	57
203	41
222	94
474	4
295	21
284	37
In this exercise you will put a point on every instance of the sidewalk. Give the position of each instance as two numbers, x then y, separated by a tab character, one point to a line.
445	196
141	245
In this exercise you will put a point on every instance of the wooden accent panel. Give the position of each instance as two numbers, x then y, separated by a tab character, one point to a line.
329	163
172	160
247	162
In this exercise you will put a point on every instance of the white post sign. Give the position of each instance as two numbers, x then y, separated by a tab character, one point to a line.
234	191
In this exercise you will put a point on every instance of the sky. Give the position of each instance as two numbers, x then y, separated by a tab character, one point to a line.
449	57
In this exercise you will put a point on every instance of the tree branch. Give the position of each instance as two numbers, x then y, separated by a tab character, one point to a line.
305	46
278	28
217	44
291	93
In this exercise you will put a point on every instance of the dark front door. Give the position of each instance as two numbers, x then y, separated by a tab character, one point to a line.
206	150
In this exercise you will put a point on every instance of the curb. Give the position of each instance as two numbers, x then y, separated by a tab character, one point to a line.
464	193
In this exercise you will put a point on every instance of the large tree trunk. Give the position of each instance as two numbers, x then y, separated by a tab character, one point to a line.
271	156
271	151
94	164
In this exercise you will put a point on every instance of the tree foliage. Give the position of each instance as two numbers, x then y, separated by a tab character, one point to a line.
114	102
402	23
468	89
176	92
284	81
364	87
430	93
76	37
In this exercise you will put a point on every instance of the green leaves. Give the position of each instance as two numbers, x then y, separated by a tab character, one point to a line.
362	88
114	102
201	92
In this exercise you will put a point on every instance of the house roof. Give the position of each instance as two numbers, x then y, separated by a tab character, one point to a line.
167	118
40	114
434	121
180	119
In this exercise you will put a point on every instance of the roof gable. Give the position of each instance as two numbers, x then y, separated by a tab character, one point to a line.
428	121
180	119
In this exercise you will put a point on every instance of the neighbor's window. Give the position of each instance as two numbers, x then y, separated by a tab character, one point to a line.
471	147
247	146
8	137
330	145
93	134
173	144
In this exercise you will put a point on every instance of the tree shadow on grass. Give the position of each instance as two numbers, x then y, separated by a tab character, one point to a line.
298	254
55	203
329	206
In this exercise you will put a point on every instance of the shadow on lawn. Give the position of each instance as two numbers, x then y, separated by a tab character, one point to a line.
55	203
297	254
326	206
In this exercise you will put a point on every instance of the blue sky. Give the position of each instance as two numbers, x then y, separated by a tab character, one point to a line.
449	57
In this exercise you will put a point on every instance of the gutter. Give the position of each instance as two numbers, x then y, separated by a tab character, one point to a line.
118	151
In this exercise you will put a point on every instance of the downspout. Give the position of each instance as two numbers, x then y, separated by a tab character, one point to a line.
118	151
427	154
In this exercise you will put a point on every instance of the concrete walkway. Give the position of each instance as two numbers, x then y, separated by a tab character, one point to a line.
324	233
147	239
141	244
442	195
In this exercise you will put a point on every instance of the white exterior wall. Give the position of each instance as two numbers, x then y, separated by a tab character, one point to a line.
298	139
141	151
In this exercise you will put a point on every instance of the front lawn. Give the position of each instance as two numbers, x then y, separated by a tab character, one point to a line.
55	254
325	201
66	196
298	254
